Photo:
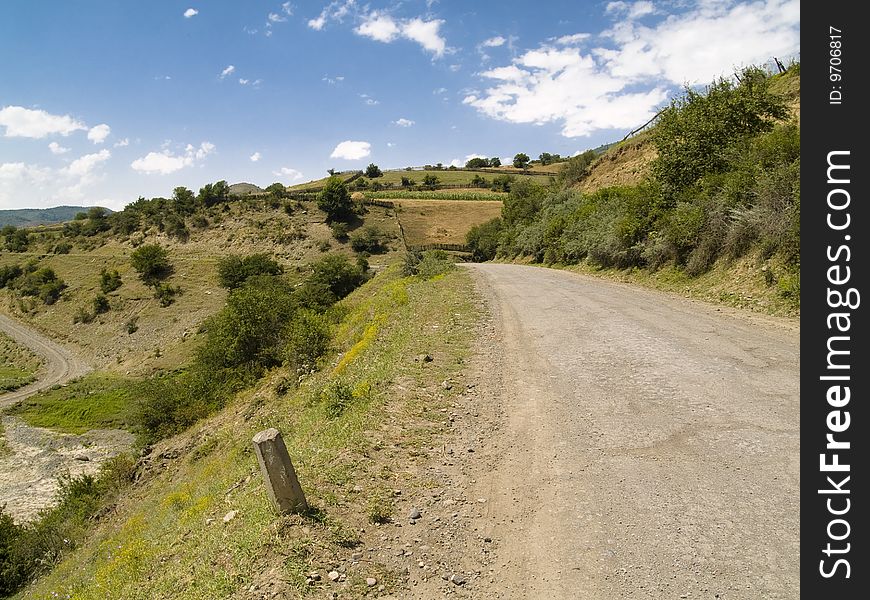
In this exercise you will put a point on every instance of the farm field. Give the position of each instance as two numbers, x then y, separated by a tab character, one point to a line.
442	221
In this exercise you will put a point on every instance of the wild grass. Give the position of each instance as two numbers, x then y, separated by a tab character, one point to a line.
96	401
18	365
169	538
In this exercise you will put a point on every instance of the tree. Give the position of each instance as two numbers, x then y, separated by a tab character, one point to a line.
477	162
693	134
234	271
151	261
373	171
521	160
335	200
495	161
214	193
277	189
430	181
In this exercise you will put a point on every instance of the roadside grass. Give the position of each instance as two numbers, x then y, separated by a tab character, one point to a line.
348	429
95	401
748	283
443	221
18	365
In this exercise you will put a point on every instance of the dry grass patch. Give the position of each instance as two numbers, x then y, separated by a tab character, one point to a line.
443	221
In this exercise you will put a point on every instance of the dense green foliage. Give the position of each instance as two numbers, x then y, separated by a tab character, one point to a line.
335	200
151	261
373	171
234	271
726	180
31	280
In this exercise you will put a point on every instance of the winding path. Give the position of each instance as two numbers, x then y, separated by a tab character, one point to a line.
60	364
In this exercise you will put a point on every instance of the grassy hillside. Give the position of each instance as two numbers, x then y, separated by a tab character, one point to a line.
18	365
198	524
706	201
442	221
28	217
446	176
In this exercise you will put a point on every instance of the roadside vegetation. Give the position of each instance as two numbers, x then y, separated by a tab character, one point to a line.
725	185
18	365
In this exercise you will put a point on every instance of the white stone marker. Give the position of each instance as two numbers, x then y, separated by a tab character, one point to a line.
281	482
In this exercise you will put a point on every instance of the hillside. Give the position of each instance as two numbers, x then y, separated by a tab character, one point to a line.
29	217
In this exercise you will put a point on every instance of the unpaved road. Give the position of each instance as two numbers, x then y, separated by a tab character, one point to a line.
647	445
60	364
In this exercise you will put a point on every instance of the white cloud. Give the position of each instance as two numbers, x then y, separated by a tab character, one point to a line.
391	144
29	123
255	157
99	133
166	162
333	80
190	12
439	91
631	10
369	101
20	180
382	27
455	68
228	70
350	150
122	143
57	148
621	85
493	42
572	39
276	18
334	11
287	172
403	122
84	165
287	7
243	81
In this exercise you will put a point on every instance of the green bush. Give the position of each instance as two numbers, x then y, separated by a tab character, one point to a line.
151	261
335	200
368	239
483	240
234	271
336	397
308	337
339	231
337	273
101	304
109	281
166	293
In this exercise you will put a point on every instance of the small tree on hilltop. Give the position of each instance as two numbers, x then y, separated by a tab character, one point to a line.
335	200
521	160
373	171
495	161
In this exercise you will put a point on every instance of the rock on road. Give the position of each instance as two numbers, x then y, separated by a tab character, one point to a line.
648	447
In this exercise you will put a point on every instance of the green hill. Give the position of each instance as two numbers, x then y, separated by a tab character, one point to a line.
30	217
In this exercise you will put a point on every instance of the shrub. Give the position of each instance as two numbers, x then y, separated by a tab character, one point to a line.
575	168
62	248
165	293
368	239
502	183
430	181
308	338
151	261
483	240
334	200
339	231
109	281
9	273
101	304
434	262
336	397
234	271
373	171
337	274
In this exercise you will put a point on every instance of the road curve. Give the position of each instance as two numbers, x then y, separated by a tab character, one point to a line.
60	364
648	447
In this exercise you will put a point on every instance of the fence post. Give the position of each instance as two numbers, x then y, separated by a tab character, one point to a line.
278	473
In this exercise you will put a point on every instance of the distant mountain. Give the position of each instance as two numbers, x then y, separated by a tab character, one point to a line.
29	217
245	189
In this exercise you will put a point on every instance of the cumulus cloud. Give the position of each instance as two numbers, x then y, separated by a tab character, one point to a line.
384	28
493	42
403	122
57	148
228	70
572	39
622	82
25	122
99	133
288	174
18	180
166	162
255	157
350	150
46	186
84	165
190	12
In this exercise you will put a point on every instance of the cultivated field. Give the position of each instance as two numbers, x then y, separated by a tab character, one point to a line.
443	221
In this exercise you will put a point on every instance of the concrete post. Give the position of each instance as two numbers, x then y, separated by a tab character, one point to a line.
281	482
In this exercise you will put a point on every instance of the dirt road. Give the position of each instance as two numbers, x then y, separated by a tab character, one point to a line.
60	364
647	445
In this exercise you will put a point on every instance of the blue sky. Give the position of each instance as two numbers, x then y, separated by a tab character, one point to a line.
105	101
